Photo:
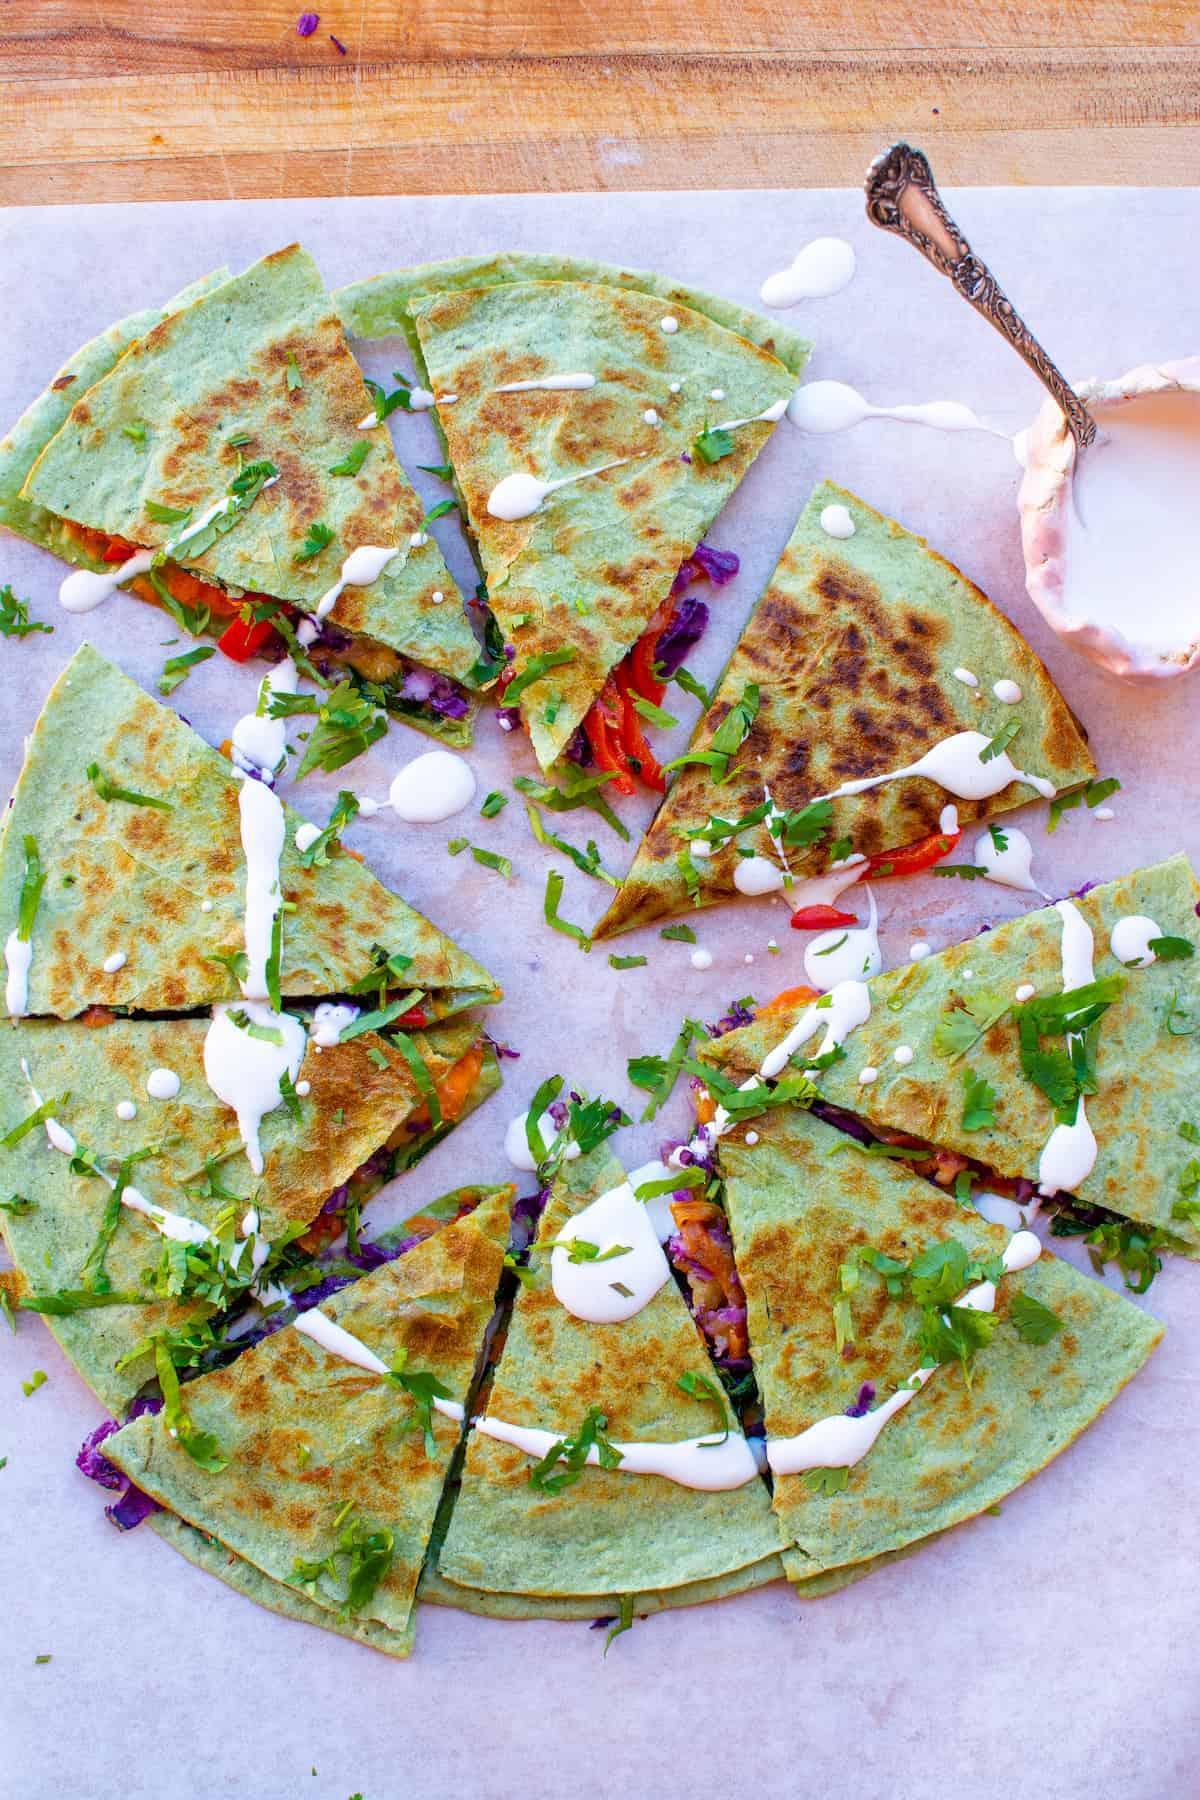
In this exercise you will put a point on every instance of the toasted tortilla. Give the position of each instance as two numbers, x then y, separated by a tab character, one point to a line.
363	1096
312	1440
260	358
956	1448
1148	1078
852	647
162	865
507	1539
593	565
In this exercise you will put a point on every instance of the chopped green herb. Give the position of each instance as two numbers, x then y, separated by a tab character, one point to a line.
657	1075
624	1622
42	1659
1172	949
678	934
385	403
32	882
690	873
572	1452
457	845
14	616
588	862
347	725
423	1389
524	1275
535	670
379	1019
294	379
239	440
676	1182
353	460
999	839
727	739
827	1481
177	668
316	855
235	962
266	1034
167	515
47	1110
360	1560
964	871
626	962
442	470
66	1302
426	1086
654	714
830	948
291	1098
319	538
109	791
582	1250
687	681
135	431
17	1206
554	892
1097	791
964	1022
36	1380
578	790
1134	1248
712	444
708	1389
807	825
437	512
999	744
1034	1323
495	803
979	1102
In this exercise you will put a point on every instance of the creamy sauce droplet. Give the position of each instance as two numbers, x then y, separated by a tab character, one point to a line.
163	1084
516	1144
823	267
615	1221
836	522
702	959
1011	867
1008	692
1130	940
576	382
306	836
116	961
520	495
824	406
329	1020
432	787
126	1110
967	677
956	765
362	567
86	589
842	954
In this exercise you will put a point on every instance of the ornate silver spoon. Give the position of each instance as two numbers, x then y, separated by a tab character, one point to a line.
902	197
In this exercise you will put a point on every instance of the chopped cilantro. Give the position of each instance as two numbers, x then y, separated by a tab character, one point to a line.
657	1075
266	1034
711	444
1134	1248
32	882
727	739
999	744
201	1446
291	1098
535	670
36	1380
109	791
437	512
17	1206
319	538
1172	949
294	379
426	1086
836	945
655	715
678	934
588	862
347	725
687	681
964	871
626	962
385	403
554	892
689	872
1034	1323
443	471
495	803
999	839
582	1250
577	790
178	668
572	1453
47	1110
827	1481
423	1389
353	460
964	1022
356	1565
317	853
235	962
624	1622
979	1102
167	515
14	616
709	1391
135	431
807	825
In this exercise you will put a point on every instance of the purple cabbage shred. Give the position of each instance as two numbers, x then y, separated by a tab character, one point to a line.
338	45
687	627
307	23
503	1051
739	1014
864	1403
434	691
706	564
578	749
508	718
133	1505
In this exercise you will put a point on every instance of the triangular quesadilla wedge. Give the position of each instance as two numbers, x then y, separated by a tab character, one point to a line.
20	448
227	442
852	666
510	1537
143	898
578	564
808	1211
331	1471
355	1114
963	1012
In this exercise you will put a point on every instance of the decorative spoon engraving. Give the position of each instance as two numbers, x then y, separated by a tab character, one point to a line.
902	197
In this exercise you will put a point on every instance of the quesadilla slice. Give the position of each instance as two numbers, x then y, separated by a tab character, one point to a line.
855	1271
866	654
1047	1051
130	822
219	468
135	1208
536	1522
332	1468
585	495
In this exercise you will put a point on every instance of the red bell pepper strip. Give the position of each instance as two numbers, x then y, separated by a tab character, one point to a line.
602	729
819	918
640	663
633	738
240	641
117	551
912	859
414	1019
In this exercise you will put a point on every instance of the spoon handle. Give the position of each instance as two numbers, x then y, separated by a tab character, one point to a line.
902	197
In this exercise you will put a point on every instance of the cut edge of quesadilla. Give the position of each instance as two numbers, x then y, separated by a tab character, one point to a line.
366	1544
174	853
577	583
224	438
854	664
1057	1349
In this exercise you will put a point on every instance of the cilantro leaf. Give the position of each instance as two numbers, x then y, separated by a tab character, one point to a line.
979	1102
657	1075
167	515
347	725
554	892
578	790
1172	949
177	668
535	670
495	803
14	616
1034	1323
319	538
712	444
588	862
964	871
109	791
357	1564
678	934
626	962
316	855
572	1453
708	1390
654	715
964	1022
997	745
827	1481
353	460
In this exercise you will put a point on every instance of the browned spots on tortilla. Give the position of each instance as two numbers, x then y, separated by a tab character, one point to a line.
63	381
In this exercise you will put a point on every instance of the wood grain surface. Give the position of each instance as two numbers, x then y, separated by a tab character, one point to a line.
211	100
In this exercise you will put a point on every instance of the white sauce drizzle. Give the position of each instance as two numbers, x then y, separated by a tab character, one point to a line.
1130	938
432	787
360	569
245	1071
163	1084
615	1218
842	954
571	383
263	832
836	522
516	1144
824	406
955	765
706	1463
770	415
519	495
342	1343
85	589
18	957
838	1441
1069	1155
823	267
330	1017
1011	867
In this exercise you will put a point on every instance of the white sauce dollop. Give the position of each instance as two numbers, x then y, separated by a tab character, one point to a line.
586	1289
520	495
162	1084
824	406
126	1110
919	951
516	1144
955	764
330	1018
702	959
432	787
836	522
1008	692
306	836
825	266
1011	867
1130	940
18	957
360	569
244	1071
259	741
755	875
1069	1155
116	961
844	954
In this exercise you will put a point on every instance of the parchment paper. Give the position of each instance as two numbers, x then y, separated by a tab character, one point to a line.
1053	1649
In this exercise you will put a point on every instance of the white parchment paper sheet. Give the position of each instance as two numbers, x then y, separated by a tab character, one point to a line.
1055	1647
